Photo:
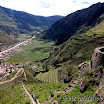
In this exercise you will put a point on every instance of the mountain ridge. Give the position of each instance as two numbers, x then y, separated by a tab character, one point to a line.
79	47
12	21
67	26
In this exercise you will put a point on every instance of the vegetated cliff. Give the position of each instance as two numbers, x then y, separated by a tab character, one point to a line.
14	22
77	22
78	48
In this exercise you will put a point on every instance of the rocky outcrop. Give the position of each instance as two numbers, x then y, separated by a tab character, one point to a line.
98	58
93	73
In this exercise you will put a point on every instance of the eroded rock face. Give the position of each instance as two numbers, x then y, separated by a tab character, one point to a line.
98	58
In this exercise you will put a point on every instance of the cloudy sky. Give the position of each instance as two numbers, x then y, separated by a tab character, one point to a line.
48	7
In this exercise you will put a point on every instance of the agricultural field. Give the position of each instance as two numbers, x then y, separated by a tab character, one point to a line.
23	37
43	90
48	77
16	95
33	51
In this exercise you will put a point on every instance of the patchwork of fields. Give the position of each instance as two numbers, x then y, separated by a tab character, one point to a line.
33	51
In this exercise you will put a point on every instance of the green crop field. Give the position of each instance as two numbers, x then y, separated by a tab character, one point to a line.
48	77
43	90
33	51
23	36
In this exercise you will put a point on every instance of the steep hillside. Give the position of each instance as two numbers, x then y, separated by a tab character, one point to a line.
81	20
14	22
6	39
78	48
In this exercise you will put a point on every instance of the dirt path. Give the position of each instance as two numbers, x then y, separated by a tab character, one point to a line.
16	75
25	76
28	93
98	94
66	90
31	98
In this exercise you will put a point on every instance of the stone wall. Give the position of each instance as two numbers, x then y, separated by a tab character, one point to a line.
98	58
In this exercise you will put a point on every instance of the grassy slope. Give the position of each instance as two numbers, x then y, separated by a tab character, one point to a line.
12	75
70	24
74	51
6	40
43	90
14	94
29	73
75	93
48	77
79	47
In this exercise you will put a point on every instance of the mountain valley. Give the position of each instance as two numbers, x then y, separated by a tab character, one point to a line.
59	64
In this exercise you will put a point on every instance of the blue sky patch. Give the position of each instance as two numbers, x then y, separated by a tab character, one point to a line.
85	2
74	1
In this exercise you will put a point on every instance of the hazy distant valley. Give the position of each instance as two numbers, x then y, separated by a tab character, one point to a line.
52	60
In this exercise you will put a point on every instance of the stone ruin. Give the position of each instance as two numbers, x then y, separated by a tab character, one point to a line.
98	58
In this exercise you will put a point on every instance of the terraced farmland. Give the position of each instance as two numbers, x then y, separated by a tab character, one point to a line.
48	77
43	90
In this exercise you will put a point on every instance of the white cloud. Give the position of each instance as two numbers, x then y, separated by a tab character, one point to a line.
48	7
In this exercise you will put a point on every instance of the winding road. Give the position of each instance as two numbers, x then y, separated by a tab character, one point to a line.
16	76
